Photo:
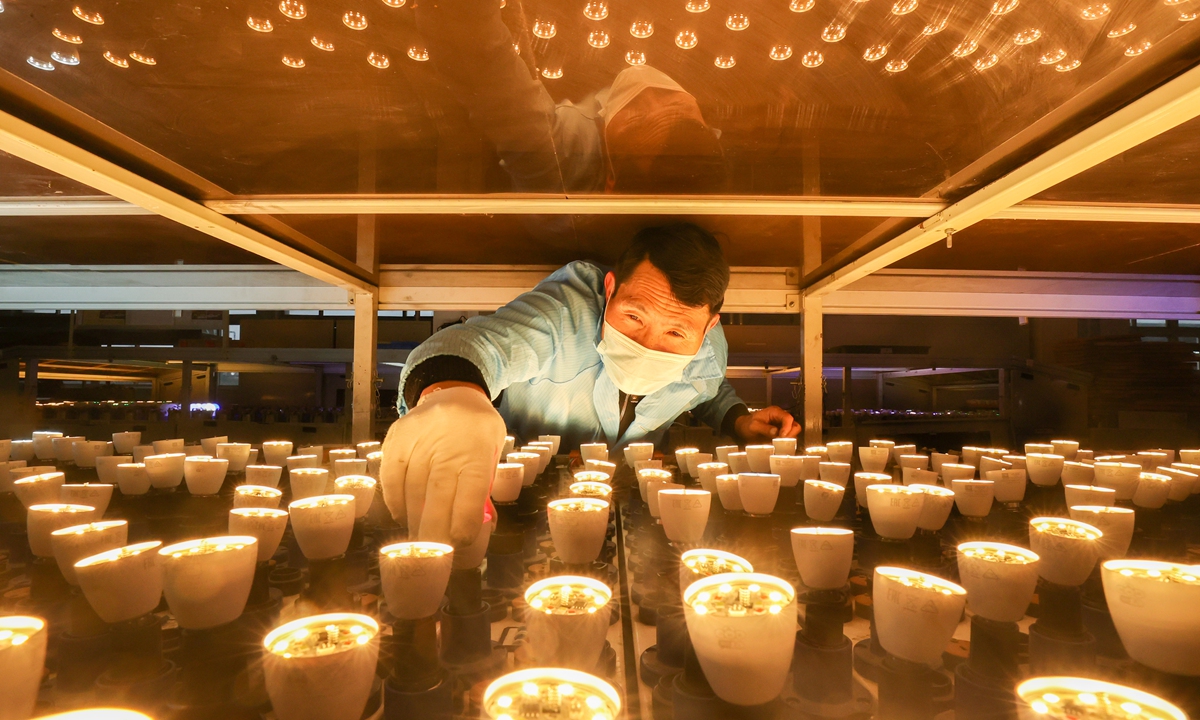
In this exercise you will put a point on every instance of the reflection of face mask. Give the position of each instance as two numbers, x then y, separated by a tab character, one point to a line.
637	370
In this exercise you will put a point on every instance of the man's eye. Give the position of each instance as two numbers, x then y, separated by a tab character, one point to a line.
677	334
633	317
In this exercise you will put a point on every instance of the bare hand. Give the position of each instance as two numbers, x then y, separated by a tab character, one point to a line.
766	424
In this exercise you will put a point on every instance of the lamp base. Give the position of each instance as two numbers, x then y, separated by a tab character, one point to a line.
984	684
1058	642
466	637
979	697
327	584
435	703
911	691
48	589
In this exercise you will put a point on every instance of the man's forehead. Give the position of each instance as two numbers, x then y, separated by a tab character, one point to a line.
648	289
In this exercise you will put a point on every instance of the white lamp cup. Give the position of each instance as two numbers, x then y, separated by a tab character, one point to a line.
818	451
1044	468
133	479
6	478
414	576
1077	473
238	455
937	459
999	579
39	489
74	543
783	446
375	461
1089	495
308	482
123	583
641	465
653	487
593	476
646	475
1044	448
265	475
789	468
64	447
863	480
106	467
296	462
956	471
695	460
1151	459
1068	549
543	453
567	621
974	497
1115	522
165	470
22	450
1085	456
743	628
85	452
899	451
321	667
141	452
210	444
344	454
823	556
46	518
1067	448
316	450
840	451
708	474
822	499
593	451
889	444
510	444
894	510
704	562
723	452
1152	490
988	464
591	489
738	462
1193	469
349	466
367	447
22	657
874	459
43	444
266	525
256	496
919	462
205	475
1063	698
362	487
1017	461
1191	457
681	459
1009	484
1182	482
578	527
834	471
684	514
915	613
729	491
638	451
917	476
168	447
607	468
1120	476
276	452
98	495
1153	606
758	457
530	461
589	697
207	582
555	442
507	483
323	524
758	492
936	506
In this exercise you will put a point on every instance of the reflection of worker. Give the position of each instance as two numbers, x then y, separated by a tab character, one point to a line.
644	134
588	355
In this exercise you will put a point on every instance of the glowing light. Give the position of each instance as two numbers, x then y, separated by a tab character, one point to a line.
986	62
293	9
965	48
68	37
598	39
896	66
737	21
143	59
1138	49
1025	37
833	32
595	10
1053	57
635	57
935	28
400	3
1122	31
812	59
781	52
697	6
1095	12
1004	7
320	44
904	7
1188	17
262	26
67	58
725	61
354	20
379	60
641	29
875	52
802	6
544	29
686	39
552	73
40	64
116	59
293	62
419	54
91	18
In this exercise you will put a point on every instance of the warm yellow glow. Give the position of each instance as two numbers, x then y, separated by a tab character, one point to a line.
293	9
321	635
725	61
262	25
1165	572
696	6
416	549
1095	11
357	482
538	694
143	59
875	52
17	629
90	18
89	527
354	20
1122	31
597	39
294	62
998	553
812	59
920	580
259	512
963	49
595	10
686	39
544	29
591	490
833	32
321	501
1052	57
578	505
781	52
736	21
120	553
986	62
69	38
739	595
904	7
568	595
206	546
706	562
641	29
1072	698
1062	527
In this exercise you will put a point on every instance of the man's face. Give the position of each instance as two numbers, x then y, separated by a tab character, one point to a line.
644	310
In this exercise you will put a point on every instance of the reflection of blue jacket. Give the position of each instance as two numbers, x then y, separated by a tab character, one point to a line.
540	349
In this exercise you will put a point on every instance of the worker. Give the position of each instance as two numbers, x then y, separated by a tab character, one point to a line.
589	354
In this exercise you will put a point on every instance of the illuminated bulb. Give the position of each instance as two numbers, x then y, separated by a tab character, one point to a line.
635	57
1068	549
833	32
781	52
1069	698
414	576
641	29
266	525
74	543
812	59
935	28
544	29
1153	607
257	25
587	489
965	48
1096	11
1004	7
577	527
897	65
68	38
1122	31
22	656
1049	58
545	693
320	44
91	18
999	579
1138	49
1026	37
737	21
302	653
823	556
323	524
686	39
207	582
568	626
293	62
697	6
595	10
116	59
354	20
904	7
915	613
724	61
593	451
293	9
145	60
65	58
875	52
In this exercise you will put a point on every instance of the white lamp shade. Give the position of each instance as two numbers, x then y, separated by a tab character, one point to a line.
74	543
758	457
123	583
204	475
840	451
85	452
758	492
917	476
1182	482
1115	522
276	452
323	524
1017	461
652	489
165	470
738	462
44	519
956	471
874	459
43	444
1044	468
988	464
207	582
266	525
1062	698
1120	476
599	698
39	489
578	527
168	447
818	451
22	657
1066	448
567	621
784	446
141	452
1152	490
510	443
1151	459
317	451
835	472
1009	484
937	459
64	447
695	460
593	451
21	450
591	489
307	482
1193	469
638	451
321	667
823	556
899	451
349	466
238	455
6	478
106	467
894	510
98	495
822	499
729	491
684	514
703	562
375	461
863	480
708	474
723	452
920	462
1077	473
641	465
554	440
889	444
543	453
1085	456
1154	607
133	479
210	444
681	458
362	487
645	475
1068	549
1031	447
528	460
744	644
125	442
607	468
367	447
265	475
915	613
936	506
414	576
295	462
1088	495
789	468
256	496
507	484
342	454
999	579
1191	457
974	497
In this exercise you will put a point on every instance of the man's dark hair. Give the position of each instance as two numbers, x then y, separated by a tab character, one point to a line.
688	255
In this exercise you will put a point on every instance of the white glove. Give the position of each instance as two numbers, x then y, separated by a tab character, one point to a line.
438	464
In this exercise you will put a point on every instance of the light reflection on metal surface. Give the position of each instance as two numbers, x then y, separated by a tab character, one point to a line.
597	39
400	3
1137	48
259	25
40	64
1004	7
724	61
116	59
379	60
641	29
987	61
595	10
91	18
1095	12
685	39
802	6
545	29
781	52
1069	66
1188	17
964	48
833	32
552	73
1122	31
1025	37
812	59
69	57
1053	56
293	9
935	28
904	7
143	59
293	62
320	44
635	57
67	37
417	53
896	66
697	6
354	20
875	52
737	21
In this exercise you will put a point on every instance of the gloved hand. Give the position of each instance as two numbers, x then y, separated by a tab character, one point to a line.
766	424
438	465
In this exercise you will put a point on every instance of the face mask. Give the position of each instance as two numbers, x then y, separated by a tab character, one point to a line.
637	370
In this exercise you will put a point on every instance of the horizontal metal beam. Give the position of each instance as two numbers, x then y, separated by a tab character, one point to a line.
198	354
1018	294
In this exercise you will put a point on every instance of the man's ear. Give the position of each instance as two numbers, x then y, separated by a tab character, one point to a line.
610	286
712	322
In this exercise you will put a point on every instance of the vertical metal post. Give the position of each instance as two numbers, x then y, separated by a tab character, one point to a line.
847	390
366	308
31	381
185	390
71	332
814	349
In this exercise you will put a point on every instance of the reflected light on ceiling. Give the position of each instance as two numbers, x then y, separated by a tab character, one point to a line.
379	60
67	37
685	39
93	18
262	26
781	52
598	39
595	10
116	59
354	20
293	9
724	62
812	59
293	62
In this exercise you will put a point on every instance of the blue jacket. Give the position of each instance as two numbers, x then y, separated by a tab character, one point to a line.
540	349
